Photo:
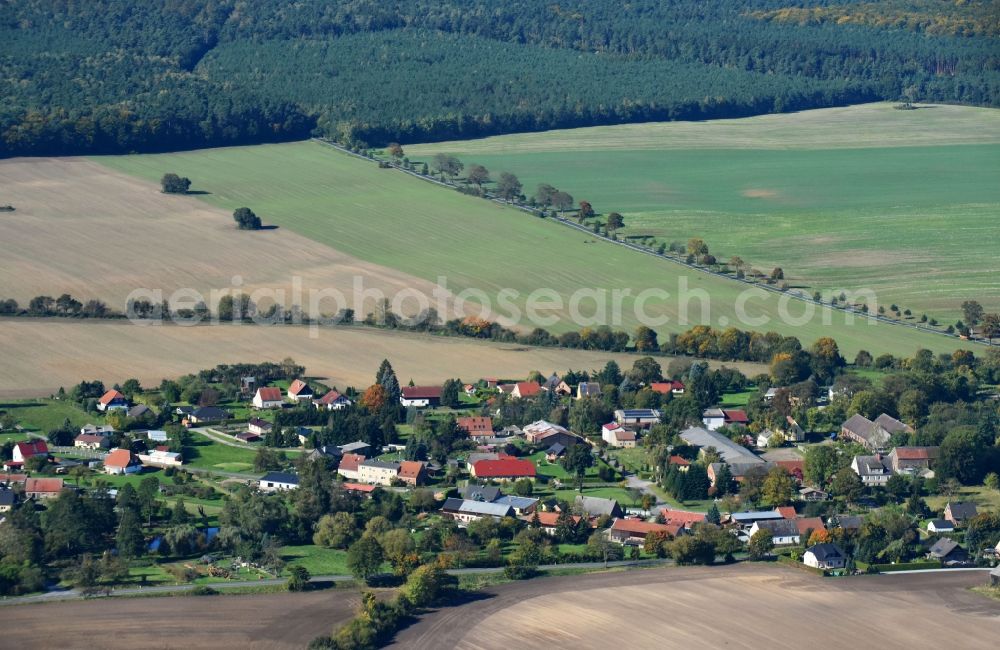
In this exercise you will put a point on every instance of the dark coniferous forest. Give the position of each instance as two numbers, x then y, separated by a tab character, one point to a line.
121	75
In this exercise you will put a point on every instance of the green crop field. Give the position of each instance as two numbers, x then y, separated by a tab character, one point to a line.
902	202
387	218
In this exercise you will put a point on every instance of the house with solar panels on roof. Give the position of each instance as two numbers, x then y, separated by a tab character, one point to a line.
637	418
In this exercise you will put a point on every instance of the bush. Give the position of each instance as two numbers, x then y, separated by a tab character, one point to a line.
517	572
204	590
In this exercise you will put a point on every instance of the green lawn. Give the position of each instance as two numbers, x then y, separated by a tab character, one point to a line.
355	207
209	454
983	497
736	399
316	559
44	415
617	493
864	197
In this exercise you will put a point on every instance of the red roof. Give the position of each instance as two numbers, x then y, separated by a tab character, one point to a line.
359	487
640	527
809	523
111	396
677	460
33	448
43	485
683	517
350	462
665	387
527	388
120	458
421	392
161	448
624	434
474	425
269	394
503	468
912	453
796	468
89	437
788	512
410	469
298	386
737	416
13	478
549	519
330	398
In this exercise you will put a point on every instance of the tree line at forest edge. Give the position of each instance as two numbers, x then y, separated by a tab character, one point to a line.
339	69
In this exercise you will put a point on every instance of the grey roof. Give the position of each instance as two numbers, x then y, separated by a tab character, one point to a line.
280	477
875	434
486	493
780	527
6	497
941	524
589	388
963	509
872	465
353	447
382	464
729	450
137	410
890	424
825	551
849	521
640	413
943	547
478	507
556	449
210	413
518	503
757	515
329	451
596	506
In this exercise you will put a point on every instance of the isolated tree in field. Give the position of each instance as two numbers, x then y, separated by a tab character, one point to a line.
395	150
615	221
246	219
586	210
645	340
478	175
562	201
508	186
972	311
447	164
777	273
174	184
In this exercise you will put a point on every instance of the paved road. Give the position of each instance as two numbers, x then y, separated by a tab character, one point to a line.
73	594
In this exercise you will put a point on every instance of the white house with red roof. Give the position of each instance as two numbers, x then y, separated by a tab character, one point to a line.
420	396
633	531
664	387
348	467
29	449
122	461
299	391
524	389
268	397
333	400
503	469
111	400
618	436
685	518
476	426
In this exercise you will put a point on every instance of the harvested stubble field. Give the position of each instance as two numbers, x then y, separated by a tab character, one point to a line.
751	607
82	229
280	621
41	355
392	220
902	202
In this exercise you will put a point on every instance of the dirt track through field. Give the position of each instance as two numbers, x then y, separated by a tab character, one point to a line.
280	621
749	607
40	355
82	229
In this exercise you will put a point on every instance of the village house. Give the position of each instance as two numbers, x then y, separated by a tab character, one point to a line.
304	434
102	430
632	532
874	435
247	437
813	494
121	461
808	526
208	414
377	472
523	389
412	472
259	426
29	449
716	418
138	411
278	482
475	492
268	397
872	470
938	526
730	451
680	462
463	511
664	387
746	520
161	457
8	499
112	400
597	507
546	433
555	452
824	556
356	447
588	389
503	469
360	489
618	436
348	467
960	512
521	505
420	396
299	391
548	521
7	479
784	532
332	401
641	418
948	551
92	441
156	435
912	460
476	427
42	488
683	517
